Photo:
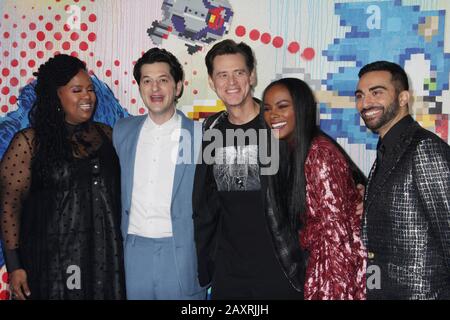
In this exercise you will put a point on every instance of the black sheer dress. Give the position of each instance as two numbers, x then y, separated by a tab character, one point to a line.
63	227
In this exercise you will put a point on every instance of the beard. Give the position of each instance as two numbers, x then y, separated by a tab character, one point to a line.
389	113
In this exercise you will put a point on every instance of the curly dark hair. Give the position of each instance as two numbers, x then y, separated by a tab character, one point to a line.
47	116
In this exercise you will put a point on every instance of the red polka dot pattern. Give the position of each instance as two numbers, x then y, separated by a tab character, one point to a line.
254	34
277	42
309	54
39	34
240	31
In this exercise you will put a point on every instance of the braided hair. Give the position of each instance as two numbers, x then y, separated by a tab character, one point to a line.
47	115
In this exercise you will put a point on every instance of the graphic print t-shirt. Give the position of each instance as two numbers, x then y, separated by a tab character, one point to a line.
245	248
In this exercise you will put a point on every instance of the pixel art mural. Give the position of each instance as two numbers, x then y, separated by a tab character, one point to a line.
197	22
324	42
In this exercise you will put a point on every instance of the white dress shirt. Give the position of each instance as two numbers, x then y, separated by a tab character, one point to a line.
154	171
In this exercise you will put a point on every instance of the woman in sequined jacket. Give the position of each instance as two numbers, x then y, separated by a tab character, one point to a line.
316	189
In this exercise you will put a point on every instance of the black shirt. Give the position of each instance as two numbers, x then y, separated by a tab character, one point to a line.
246	265
386	145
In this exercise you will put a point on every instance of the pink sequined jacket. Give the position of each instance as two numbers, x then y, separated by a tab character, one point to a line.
337	258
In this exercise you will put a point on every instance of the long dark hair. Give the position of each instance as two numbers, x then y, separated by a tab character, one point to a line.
47	115
289	184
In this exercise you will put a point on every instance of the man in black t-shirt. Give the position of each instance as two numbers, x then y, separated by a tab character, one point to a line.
244	250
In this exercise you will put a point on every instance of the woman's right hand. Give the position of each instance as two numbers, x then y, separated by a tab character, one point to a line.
19	285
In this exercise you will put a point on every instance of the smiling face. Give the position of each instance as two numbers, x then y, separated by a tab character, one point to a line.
379	103
279	111
232	81
159	91
77	98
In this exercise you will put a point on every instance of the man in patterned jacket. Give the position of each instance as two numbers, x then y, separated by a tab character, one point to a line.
406	224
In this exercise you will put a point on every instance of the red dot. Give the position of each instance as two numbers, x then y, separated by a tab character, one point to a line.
194	72
32	44
92	36
83	46
31	63
40	54
56	53
49	8
14	44
5	72
14	63
116	82
133	101
24	16
5	90
293	47
2	296
277	42
133	81
13	100
195	91
91	54
6	53
66	45
83	27
74	54
41	18
83	8
240	31
74	36
23	54
92	17
6	16
108	73
14	26
40	36
57	17
66	27
254	34
308	54
186	83
49	45
265	38
58	36
49	26
99	63
23	72
141	110
32	26
6	35
117	63
23	35
14	81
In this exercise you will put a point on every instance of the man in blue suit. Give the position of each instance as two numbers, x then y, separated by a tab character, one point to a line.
157	155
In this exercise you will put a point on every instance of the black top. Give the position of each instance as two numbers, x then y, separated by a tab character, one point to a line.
246	265
385	146
64	227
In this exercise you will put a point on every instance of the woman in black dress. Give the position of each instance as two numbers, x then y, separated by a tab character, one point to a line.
60	194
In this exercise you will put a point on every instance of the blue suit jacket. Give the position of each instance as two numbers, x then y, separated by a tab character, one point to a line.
125	137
